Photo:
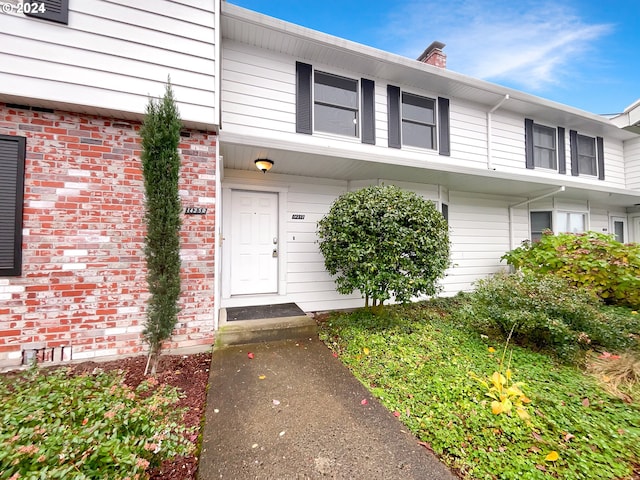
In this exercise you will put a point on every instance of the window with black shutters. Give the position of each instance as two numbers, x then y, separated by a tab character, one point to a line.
12	155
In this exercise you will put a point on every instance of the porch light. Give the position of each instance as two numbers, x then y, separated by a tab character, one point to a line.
264	164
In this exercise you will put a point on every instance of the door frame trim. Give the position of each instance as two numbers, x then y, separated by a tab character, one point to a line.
227	213
616	218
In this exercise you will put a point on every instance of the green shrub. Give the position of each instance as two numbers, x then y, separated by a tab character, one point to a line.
160	135
55	425
591	260
384	242
547	313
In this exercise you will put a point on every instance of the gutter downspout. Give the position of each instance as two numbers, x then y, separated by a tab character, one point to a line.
489	132
526	202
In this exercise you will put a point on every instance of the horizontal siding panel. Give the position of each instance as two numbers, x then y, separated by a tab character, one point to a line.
311	287
131	15
305	267
174	9
306	277
95	64
115	47
302	247
303	237
259	126
319	208
104	80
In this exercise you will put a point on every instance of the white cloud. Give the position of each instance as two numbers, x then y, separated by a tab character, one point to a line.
528	43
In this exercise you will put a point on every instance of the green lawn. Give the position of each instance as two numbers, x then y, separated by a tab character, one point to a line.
420	362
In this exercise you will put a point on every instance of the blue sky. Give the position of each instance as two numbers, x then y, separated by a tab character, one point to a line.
581	53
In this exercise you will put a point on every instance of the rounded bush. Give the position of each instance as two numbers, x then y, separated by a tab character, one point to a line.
385	242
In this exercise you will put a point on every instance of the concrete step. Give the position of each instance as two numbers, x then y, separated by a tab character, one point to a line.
240	332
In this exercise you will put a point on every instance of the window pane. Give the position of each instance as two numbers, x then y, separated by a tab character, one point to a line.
586	146
417	135
587	165
540	221
336	90
418	109
335	120
618	231
544	136
571	222
544	158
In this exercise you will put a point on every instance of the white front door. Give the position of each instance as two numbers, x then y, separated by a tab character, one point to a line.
254	242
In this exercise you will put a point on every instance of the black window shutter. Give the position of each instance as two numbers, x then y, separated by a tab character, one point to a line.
393	115
528	143
368	111
12	155
54	10
303	98
562	153
600	150
573	141
443	119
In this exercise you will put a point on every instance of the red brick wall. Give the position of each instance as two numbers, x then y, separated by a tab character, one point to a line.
83	282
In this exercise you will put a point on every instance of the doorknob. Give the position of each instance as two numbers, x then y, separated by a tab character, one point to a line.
275	253
275	240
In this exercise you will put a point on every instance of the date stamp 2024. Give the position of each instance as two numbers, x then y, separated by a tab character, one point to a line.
24	7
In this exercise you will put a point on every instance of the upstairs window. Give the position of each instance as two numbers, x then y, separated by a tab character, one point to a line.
544	146
335	104
587	155
418	121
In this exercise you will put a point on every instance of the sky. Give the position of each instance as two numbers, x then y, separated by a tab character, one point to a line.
585	54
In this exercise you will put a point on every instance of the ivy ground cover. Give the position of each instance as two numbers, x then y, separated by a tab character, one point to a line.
424	366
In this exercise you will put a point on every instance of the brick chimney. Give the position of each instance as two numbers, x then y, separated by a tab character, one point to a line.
434	55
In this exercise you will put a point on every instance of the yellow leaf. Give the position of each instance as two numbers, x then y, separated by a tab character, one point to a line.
522	413
508	374
552	456
525	399
491	349
262	377
496	408
366	350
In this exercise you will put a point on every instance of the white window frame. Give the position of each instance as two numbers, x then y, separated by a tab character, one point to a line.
315	102
595	154
434	126
536	147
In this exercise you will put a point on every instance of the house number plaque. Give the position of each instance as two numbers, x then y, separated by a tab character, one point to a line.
297	216
195	211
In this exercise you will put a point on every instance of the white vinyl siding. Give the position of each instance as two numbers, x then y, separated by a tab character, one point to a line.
632	155
113	55
479	235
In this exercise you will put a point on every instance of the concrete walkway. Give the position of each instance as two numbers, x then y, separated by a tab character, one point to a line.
295	412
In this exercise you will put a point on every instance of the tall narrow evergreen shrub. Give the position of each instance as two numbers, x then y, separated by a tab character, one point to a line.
160	135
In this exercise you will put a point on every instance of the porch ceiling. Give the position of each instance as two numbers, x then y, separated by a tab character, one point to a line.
476	180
